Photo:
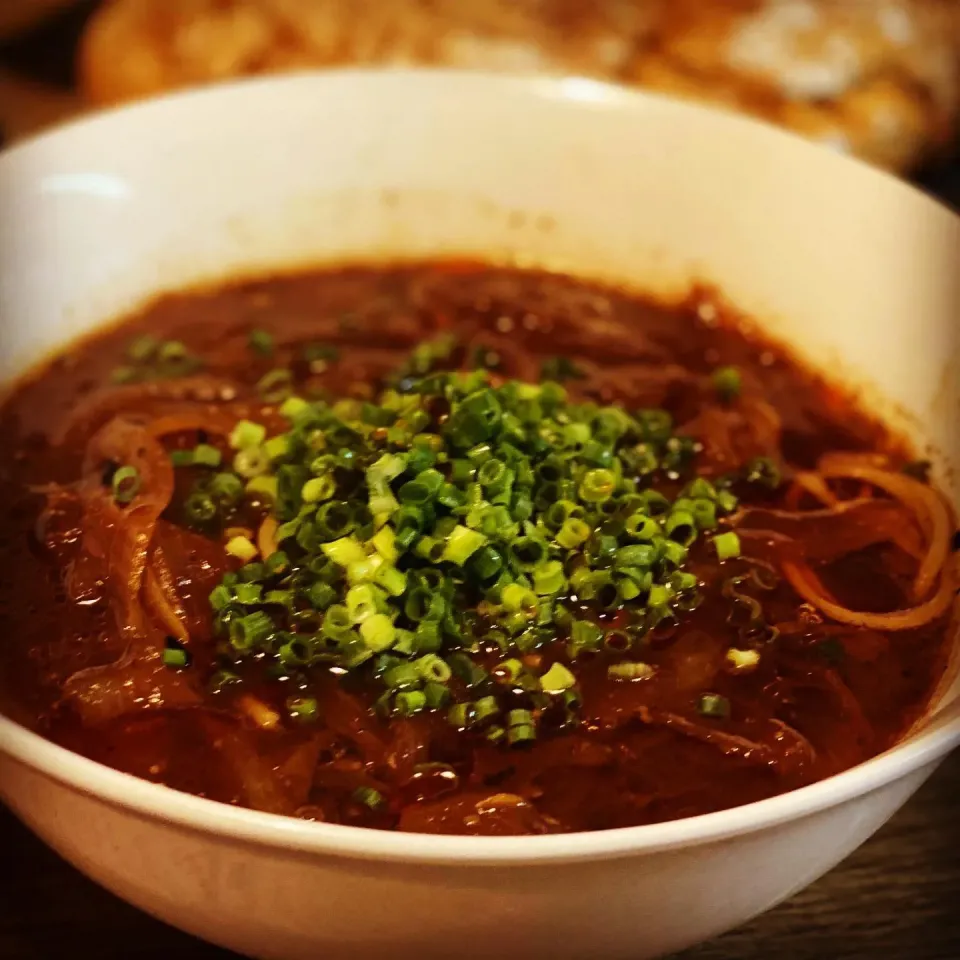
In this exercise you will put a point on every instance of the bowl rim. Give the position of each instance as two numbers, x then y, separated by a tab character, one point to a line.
155	802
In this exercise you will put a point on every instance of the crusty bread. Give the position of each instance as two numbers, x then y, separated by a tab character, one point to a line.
19	15
878	78
138	47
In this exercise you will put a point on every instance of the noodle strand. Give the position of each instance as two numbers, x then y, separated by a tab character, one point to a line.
808	585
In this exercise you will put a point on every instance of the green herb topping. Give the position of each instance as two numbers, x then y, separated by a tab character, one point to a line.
441	551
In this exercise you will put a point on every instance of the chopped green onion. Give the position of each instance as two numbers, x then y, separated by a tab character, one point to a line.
437	695
303	709
727	383
317	489
642	527
247	434
369	797
344	551
520	728
175	657
126	484
221	679
261	342
378	632
433	669
251	462
384	541
277	563
241	548
681	527
628	670
597	486
409	702
251	573
143	348
549	578
560	368
249	632
391	579
584	636
275	386
263	487
460	715
484	708
742	661
173	350
462	544
450	518
726	501
277	448
199	508
220	597
674	553
205	455
402	676
573	532
715	706
248	593
727	545
124	374
321	595
517	598
283	598
528	552
293	407
557	679
427	637
320	353
763	471
704	513
659	596
226	488
361	603
642	555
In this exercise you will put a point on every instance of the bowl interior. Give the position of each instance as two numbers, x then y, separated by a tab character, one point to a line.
854	269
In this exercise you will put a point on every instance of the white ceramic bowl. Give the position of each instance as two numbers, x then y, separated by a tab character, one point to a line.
858	270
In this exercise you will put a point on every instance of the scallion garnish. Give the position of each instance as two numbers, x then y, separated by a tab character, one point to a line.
727	383
175	657
715	706
413	531
261	342
126	484
369	797
727	545
629	670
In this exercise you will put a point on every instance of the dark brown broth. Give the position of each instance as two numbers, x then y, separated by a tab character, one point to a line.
850	697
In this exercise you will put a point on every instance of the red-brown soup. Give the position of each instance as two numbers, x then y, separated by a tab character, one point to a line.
456	549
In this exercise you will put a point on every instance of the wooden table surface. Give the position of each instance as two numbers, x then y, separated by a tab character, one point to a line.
896	898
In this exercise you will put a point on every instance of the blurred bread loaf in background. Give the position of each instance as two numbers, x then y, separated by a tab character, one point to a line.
137	47
876	78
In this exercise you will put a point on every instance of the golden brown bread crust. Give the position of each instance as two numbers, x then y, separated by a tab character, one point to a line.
878	78
138	47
